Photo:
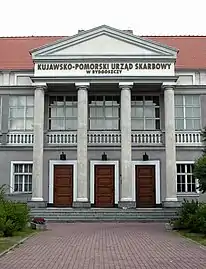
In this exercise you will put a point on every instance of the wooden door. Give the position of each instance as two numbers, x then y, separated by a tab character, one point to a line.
104	185
63	185
145	185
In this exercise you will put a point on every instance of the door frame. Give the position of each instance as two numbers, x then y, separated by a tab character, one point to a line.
116	178
156	164
52	163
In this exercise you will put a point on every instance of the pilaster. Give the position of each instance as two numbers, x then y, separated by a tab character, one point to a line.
4	118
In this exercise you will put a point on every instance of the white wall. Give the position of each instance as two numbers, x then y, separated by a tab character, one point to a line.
23	78
15	78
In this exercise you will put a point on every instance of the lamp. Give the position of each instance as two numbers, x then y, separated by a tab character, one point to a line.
63	156
145	157
104	157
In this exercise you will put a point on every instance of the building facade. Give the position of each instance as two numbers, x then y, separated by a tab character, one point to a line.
103	118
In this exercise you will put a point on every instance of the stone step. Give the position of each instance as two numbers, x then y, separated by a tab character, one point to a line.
71	211
105	217
104	214
106	220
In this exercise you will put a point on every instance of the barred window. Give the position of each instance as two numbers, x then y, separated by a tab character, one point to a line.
186	182
145	112
187	112
21	112
62	112
22	177
104	112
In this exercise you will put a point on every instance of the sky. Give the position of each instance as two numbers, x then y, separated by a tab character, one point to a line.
66	17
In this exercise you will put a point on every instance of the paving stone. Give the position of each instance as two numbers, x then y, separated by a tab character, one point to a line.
105	246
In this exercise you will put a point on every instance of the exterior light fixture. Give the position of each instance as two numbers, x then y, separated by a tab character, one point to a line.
145	157
104	157
63	156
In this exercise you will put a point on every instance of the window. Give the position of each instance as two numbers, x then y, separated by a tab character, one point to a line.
104	112
187	112
21	177
145	113
185	179
21	112
62	112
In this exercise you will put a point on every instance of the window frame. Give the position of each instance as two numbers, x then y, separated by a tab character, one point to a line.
184	112
144	118
65	117
104	118
12	174
24	118
186	193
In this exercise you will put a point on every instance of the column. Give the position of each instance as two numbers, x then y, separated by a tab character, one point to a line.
82	160
38	146
127	199
170	146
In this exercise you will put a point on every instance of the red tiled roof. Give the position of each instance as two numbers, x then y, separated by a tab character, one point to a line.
192	50
14	51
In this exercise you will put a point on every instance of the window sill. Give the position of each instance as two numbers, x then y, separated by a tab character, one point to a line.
19	193
188	194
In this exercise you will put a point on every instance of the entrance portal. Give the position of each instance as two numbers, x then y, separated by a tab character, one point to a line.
145	185
104	185
63	185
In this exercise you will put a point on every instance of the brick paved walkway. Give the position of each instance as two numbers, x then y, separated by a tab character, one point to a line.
108	246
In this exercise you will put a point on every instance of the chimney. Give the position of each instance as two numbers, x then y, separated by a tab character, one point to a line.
80	31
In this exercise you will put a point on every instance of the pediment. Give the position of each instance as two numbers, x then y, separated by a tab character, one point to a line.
103	42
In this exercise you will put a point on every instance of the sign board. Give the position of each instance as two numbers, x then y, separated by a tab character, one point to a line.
82	69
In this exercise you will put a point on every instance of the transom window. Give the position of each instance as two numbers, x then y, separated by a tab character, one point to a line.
104	112
22	177
187	112
185	179
21	112
62	112
145	112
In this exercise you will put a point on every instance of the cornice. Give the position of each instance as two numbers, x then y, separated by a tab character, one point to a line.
17	87
191	87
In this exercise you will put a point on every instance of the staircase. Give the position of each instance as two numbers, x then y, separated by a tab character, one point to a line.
104	214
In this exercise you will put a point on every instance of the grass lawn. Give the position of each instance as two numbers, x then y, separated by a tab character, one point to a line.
7	242
200	238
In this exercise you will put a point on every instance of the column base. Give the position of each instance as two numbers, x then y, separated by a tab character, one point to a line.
78	204
37	204
171	203
126	204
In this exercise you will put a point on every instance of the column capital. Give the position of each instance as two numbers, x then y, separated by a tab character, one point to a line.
125	85
82	85
40	87
168	85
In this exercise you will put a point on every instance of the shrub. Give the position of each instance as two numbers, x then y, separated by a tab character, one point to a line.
13	216
201	218
200	172
192	217
187	210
